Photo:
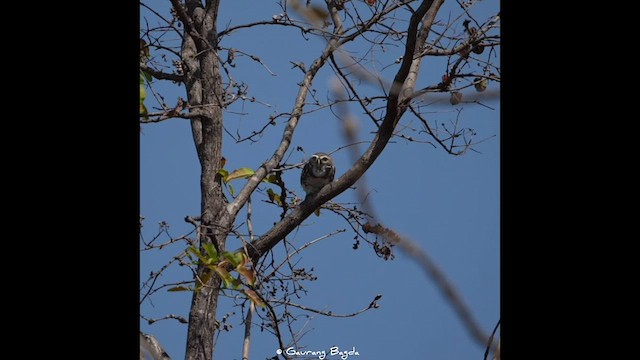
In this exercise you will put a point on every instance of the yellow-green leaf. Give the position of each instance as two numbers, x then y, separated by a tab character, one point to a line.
235	259
241	173
211	251
143	110
231	190
229	281
147	76
204	280
195	251
274	197
143	93
179	288
271	178
224	174
237	284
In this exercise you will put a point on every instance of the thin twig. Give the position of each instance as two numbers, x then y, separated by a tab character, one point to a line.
306	245
170	316
372	305
161	75
490	342
256	59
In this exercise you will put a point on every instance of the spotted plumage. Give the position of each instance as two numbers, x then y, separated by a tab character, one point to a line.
317	172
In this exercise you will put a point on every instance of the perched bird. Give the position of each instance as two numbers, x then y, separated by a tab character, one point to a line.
317	172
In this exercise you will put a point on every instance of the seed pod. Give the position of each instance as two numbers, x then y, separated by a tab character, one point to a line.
481	84
456	97
478	49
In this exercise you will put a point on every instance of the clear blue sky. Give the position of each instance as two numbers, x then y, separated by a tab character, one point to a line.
449	205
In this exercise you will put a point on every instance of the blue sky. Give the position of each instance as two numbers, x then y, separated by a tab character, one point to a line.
448	205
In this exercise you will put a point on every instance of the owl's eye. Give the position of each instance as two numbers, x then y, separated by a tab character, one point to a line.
324	159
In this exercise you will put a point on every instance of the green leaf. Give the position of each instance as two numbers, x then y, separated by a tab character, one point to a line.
143	94
204	280
274	197
224	174
241	173
271	178
231	190
212	252
179	288
229	281
236	284
147	76
189	256
195	251
235	259
143	111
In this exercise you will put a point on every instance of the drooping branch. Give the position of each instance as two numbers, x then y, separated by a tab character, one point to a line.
372	305
276	21
411	248
438	277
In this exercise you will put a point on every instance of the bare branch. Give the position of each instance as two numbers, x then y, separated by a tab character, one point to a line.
274	320
161	75
276	21
254	58
363	102
170	316
372	305
169	23
306	245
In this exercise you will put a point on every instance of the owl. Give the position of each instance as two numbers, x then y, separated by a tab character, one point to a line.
317	172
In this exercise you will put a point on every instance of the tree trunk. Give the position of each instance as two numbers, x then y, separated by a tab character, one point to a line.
204	87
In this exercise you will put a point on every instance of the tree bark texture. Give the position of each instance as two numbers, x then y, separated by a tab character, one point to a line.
204	93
